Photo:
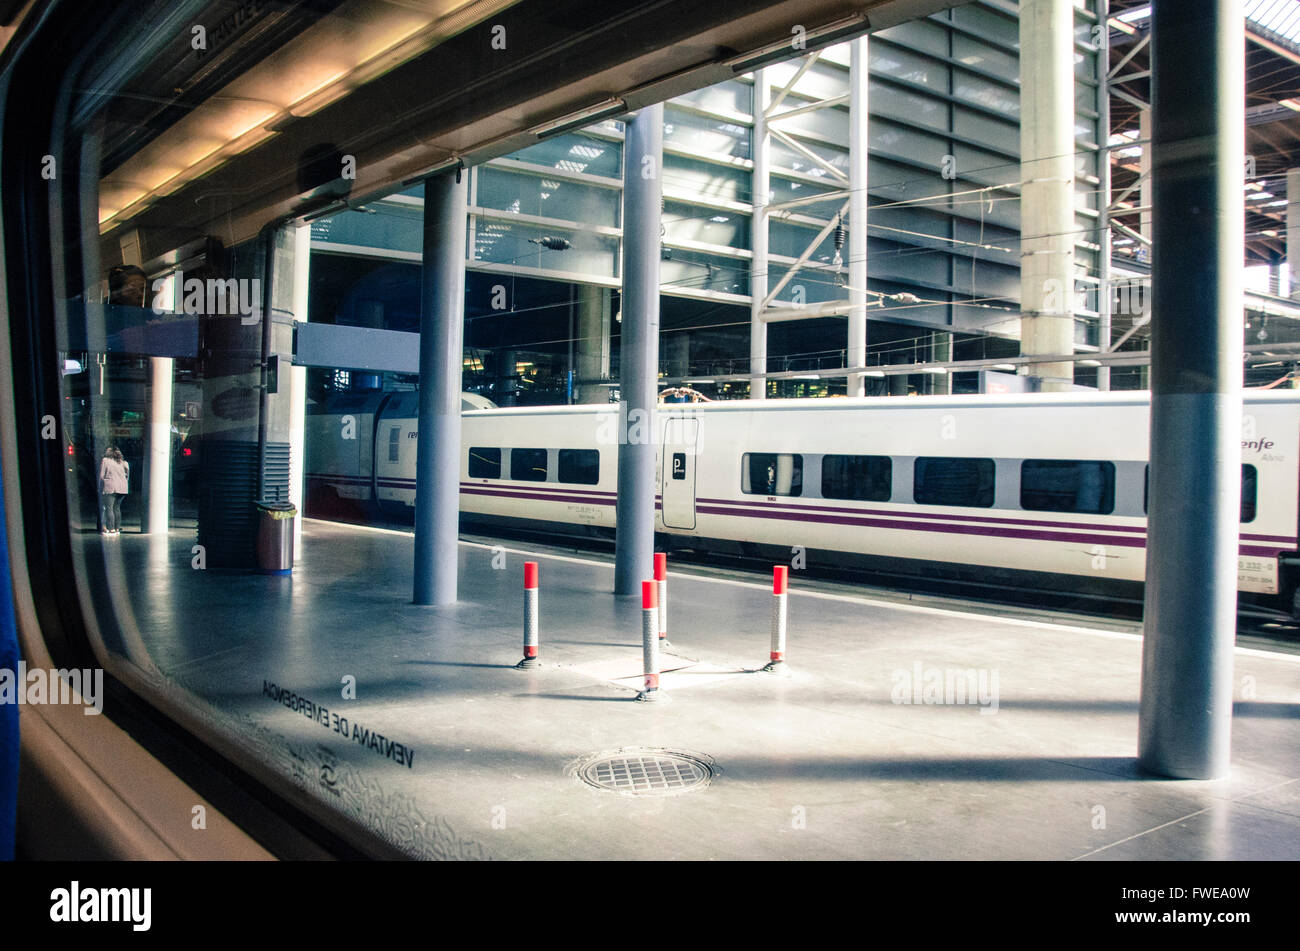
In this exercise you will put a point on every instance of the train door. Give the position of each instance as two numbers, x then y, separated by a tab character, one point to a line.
677	482
389	449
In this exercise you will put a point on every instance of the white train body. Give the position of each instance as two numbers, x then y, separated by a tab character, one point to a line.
1051	482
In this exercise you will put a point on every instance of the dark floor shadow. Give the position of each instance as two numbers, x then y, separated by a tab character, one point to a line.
1256	708
453	663
574	696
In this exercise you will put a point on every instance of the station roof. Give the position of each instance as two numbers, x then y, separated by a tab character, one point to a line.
1272	110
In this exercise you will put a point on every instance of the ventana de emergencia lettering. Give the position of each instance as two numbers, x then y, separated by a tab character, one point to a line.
364	736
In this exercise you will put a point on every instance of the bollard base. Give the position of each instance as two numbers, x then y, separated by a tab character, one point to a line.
778	667
652	696
528	663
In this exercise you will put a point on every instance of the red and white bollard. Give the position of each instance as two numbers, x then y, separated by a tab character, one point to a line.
779	577
661	582
650	640
530	617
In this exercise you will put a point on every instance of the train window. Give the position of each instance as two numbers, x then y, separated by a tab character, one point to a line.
1249	491
394	443
941	480
1062	485
861	478
528	465
484	463
771	473
580	465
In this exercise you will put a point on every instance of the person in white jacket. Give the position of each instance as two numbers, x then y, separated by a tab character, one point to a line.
114	479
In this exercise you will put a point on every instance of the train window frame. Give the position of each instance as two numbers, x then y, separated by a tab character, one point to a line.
1249	477
395	443
888	477
796	475
479	454
1106	504
989	491
530	466
564	458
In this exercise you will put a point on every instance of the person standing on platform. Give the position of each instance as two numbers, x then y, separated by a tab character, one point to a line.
114	480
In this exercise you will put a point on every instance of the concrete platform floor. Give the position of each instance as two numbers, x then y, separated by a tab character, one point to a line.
825	763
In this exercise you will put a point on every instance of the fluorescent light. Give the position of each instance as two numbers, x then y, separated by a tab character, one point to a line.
1005	367
1258	195
1088	363
1141	13
874	373
582	117
813	40
937	371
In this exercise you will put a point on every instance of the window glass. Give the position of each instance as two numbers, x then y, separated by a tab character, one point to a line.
580	465
863	478
771	473
1249	491
528	465
1059	485
953	481
484	463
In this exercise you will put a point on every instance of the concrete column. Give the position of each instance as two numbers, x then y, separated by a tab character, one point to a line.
679	353
158	447
897	384
1198	73
857	329
1047	195
506	363
639	350
941	352
593	342
442	327
760	186
1146	191
298	385
1293	233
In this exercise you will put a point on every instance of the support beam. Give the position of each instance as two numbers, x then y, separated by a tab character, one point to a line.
760	187
639	350
856	355
442	326
1105	250
1185	717
1047	197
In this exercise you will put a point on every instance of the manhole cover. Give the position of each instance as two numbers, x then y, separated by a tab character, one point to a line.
635	772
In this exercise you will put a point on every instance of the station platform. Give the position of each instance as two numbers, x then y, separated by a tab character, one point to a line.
862	751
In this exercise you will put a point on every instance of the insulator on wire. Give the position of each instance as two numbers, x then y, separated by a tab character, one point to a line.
552	243
840	232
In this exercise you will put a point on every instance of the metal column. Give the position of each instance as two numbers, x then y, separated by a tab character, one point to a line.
639	350
857	330
1104	317
442	324
1198	78
760	187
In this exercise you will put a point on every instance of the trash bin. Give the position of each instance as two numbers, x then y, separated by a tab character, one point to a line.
275	537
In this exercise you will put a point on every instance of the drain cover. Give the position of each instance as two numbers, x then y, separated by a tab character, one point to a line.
640	772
